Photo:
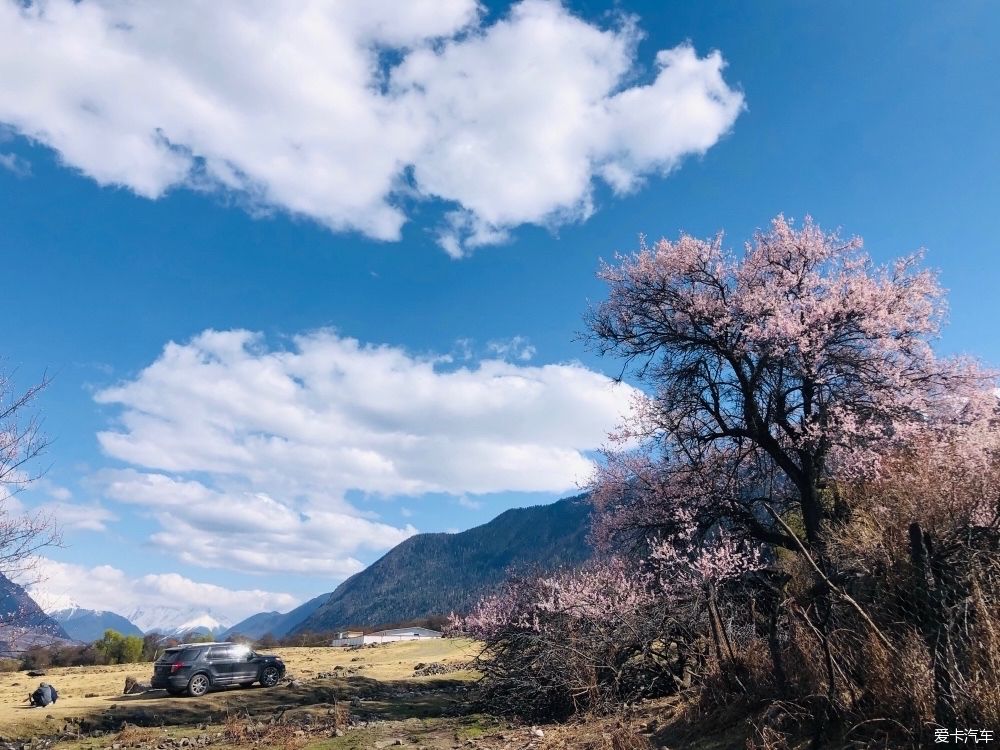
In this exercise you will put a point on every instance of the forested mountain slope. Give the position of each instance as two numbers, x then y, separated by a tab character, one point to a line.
439	573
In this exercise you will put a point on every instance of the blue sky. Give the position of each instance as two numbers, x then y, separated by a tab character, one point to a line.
868	118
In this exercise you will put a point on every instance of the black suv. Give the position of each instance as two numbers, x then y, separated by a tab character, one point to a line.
194	668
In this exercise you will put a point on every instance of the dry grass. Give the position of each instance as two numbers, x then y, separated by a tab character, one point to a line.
244	731
133	736
86	691
608	733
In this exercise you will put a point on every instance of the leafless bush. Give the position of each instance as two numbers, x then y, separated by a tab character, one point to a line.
22	534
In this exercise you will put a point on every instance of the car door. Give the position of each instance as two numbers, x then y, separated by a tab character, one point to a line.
245	664
222	662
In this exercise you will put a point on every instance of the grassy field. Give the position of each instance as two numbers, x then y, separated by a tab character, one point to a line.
91	695
373	701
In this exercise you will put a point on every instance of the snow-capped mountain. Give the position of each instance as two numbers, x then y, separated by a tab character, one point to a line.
89	625
23	623
178	620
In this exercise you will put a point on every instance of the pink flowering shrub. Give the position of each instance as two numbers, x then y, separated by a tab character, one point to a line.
573	640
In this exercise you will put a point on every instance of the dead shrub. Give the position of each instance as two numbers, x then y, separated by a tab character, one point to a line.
244	731
132	736
340	714
239	729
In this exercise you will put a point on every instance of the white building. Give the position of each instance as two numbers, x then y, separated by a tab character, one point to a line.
348	638
356	638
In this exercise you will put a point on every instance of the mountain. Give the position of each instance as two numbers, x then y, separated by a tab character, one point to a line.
439	573
88	625
275	623
177	621
23	623
255	625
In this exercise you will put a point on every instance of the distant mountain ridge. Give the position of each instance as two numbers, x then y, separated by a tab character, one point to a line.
275	623
88	625
424	575
23	623
439	573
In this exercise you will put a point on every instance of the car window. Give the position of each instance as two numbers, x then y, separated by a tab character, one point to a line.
170	654
221	652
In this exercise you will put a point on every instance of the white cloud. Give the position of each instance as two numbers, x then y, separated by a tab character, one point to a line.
343	415
78	516
54	501
344	111
250	531
105	587
517	347
15	164
62	494
467	502
248	452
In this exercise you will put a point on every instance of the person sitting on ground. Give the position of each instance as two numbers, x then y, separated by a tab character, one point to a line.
44	695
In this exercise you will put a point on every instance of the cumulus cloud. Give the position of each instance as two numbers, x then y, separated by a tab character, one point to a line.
344	415
232	439
105	587
345	112
251	531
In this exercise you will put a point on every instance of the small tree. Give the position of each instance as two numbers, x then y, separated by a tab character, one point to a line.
22	535
771	373
116	648
109	646
130	650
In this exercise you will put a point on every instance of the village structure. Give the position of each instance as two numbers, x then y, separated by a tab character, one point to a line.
359	638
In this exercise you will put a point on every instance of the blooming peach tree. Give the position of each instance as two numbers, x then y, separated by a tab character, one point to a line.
771	374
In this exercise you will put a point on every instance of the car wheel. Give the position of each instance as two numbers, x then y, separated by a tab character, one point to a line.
246	684
198	685
269	676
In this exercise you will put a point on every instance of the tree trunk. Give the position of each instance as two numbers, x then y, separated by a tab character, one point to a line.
718	628
774	646
812	515
931	611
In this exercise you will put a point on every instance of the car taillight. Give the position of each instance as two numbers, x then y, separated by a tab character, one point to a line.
177	666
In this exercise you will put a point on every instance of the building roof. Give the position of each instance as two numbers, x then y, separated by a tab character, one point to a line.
408	631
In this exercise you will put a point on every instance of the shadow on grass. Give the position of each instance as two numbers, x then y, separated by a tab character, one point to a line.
392	699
